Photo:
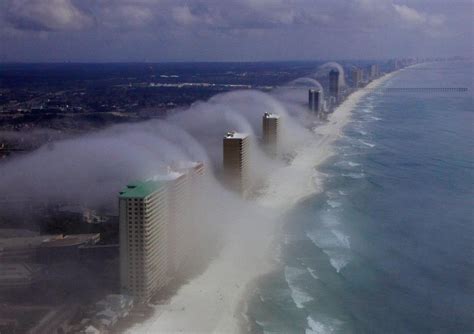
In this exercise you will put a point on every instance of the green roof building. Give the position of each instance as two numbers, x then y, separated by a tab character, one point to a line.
143	239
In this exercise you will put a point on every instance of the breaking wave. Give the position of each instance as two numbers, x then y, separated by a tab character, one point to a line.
293	276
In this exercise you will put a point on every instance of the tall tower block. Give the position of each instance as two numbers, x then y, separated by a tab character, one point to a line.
195	171
270	129
334	84
314	100
143	217
236	148
178	206
374	71
357	77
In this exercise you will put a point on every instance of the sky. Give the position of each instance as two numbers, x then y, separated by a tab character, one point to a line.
232	30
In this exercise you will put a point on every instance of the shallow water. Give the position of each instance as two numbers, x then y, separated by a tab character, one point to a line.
387	246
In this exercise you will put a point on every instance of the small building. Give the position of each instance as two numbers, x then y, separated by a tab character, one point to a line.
19	276
44	248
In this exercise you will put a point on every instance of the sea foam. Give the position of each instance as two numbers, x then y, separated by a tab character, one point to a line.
312	272
366	143
324	326
333	204
299	296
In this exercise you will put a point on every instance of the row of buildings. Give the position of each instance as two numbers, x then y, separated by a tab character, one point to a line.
316	102
156	215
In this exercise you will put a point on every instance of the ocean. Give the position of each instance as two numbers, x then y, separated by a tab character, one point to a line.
387	245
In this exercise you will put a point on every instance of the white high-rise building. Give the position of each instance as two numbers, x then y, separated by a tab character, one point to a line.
374	71
178	209
194	172
155	228
357	77
236	147
270	131
143	239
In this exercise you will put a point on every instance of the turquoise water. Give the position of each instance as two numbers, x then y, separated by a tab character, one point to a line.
387	247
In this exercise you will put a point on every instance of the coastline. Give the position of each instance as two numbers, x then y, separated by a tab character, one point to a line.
215	301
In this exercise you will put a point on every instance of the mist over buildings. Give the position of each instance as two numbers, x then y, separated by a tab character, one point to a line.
89	170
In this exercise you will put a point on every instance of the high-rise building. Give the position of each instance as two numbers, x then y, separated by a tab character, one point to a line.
178	196
236	147
334	84
193	168
374	71
314	100
270	129
357	77
192	232
143	239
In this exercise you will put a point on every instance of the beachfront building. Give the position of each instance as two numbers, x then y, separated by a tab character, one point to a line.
314	100
236	147
143	239
178	210
374	71
334	84
195	175
270	130
357	77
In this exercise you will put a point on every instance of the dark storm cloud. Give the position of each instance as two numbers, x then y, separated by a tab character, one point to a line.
190	28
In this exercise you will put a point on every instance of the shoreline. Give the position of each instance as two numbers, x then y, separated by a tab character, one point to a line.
216	300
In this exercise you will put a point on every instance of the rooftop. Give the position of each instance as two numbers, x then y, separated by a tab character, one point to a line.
140	189
170	175
185	164
270	115
236	135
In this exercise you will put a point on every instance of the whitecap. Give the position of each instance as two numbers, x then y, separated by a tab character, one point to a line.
366	143
312	272
354	175
375	118
299	296
337	259
315	327
324	326
332	194
343	239
333	204
329	219
345	163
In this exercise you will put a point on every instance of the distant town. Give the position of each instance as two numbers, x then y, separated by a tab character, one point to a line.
67	268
